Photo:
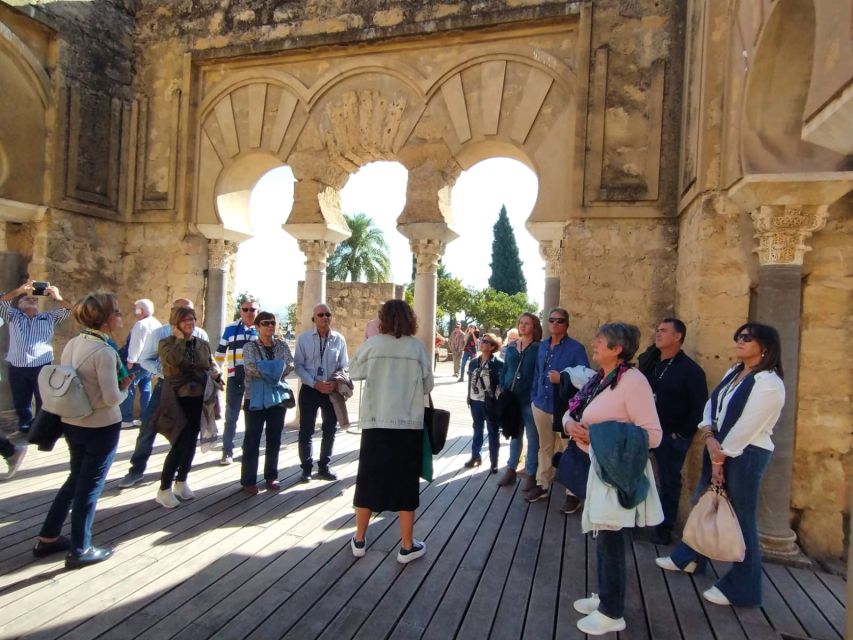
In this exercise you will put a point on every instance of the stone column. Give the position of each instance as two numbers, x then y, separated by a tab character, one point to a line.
219	255
552	253
314	292
781	231
427	254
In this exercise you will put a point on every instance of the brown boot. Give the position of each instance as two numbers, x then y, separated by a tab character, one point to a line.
529	483
508	478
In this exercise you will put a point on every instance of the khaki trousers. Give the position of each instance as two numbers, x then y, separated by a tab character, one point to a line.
457	356
550	442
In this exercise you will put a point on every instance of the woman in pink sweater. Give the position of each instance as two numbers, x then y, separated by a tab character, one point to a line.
620	393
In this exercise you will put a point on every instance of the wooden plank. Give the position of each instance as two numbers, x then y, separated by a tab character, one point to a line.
836	585
723	620
661	618
508	618
815	624
687	602
635	613
822	597
575	581
544	594
777	611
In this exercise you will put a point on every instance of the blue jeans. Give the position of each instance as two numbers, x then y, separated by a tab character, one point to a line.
466	356
274	419
23	383
92	451
516	444
670	458
742	584
233	403
146	435
478	413
610	552
142	380
310	400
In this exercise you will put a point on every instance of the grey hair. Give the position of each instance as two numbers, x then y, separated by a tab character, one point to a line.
622	334
248	297
318	305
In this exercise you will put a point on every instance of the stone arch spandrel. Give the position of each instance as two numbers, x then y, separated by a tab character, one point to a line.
247	130
771	60
25	107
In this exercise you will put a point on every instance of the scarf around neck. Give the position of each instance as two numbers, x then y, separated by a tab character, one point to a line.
596	385
121	369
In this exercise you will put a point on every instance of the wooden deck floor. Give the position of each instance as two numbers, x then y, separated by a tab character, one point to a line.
278	565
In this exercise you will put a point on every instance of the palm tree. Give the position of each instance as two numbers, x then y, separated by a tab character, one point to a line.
364	253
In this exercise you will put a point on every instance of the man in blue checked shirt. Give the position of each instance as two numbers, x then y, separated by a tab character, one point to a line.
319	354
30	348
229	357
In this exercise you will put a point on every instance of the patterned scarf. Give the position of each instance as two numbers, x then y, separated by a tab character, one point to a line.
121	369
598	383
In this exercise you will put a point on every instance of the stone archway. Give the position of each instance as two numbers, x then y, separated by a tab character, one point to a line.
436	106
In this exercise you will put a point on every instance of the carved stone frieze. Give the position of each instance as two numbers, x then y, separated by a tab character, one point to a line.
316	253
782	230
220	254
427	254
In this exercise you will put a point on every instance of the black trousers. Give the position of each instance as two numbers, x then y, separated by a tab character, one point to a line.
310	401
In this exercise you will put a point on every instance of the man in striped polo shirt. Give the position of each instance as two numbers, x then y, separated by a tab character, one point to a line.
30	348
229	356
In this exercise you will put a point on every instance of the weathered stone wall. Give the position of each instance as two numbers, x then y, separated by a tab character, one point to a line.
618	270
354	304
823	456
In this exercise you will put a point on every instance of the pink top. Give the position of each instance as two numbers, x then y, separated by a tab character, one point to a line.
631	401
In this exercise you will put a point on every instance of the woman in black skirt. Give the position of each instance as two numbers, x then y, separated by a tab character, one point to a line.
397	371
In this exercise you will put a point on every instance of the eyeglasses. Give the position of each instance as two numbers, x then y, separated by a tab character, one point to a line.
744	337
324	315
267	323
557	320
249	310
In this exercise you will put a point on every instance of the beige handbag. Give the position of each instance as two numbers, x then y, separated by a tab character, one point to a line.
712	527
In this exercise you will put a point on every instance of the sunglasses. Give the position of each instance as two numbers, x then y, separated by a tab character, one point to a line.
744	337
249	310
558	320
488	342
267	323
324	315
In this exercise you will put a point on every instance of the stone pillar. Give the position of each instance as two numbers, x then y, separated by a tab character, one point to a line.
219	255
314	291
781	231
427	254
552	253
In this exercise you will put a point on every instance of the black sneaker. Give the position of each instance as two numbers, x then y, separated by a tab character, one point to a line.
305	478
44	549
405	556
327	474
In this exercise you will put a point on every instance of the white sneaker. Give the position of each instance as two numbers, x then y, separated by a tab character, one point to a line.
225	460
137	423
418	549
667	564
597	624
127	425
358	548
166	498
587	605
183	491
716	596
14	461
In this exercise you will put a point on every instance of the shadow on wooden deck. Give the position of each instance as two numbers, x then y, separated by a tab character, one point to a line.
278	565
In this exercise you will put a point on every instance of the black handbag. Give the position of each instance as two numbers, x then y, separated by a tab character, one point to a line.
509	410
436	424
45	430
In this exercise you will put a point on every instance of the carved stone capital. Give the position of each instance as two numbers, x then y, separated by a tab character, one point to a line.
220	253
427	254
316	253
552	254
781	231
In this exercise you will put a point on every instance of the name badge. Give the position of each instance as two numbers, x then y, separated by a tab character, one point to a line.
320	372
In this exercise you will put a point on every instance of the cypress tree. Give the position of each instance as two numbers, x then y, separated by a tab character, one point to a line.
506	265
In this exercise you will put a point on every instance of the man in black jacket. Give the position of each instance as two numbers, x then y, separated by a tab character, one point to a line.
680	392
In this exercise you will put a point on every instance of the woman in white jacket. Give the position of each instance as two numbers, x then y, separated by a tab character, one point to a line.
397	372
92	439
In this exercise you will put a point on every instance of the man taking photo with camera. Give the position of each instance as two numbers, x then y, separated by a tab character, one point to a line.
30	342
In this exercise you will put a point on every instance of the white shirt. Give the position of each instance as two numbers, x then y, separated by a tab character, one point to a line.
150	358
138	334
760	414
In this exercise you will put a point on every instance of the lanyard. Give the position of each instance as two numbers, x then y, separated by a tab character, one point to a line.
729	389
323	346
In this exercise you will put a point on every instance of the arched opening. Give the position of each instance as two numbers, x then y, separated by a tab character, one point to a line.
269	264
776	95
477	198
234	189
